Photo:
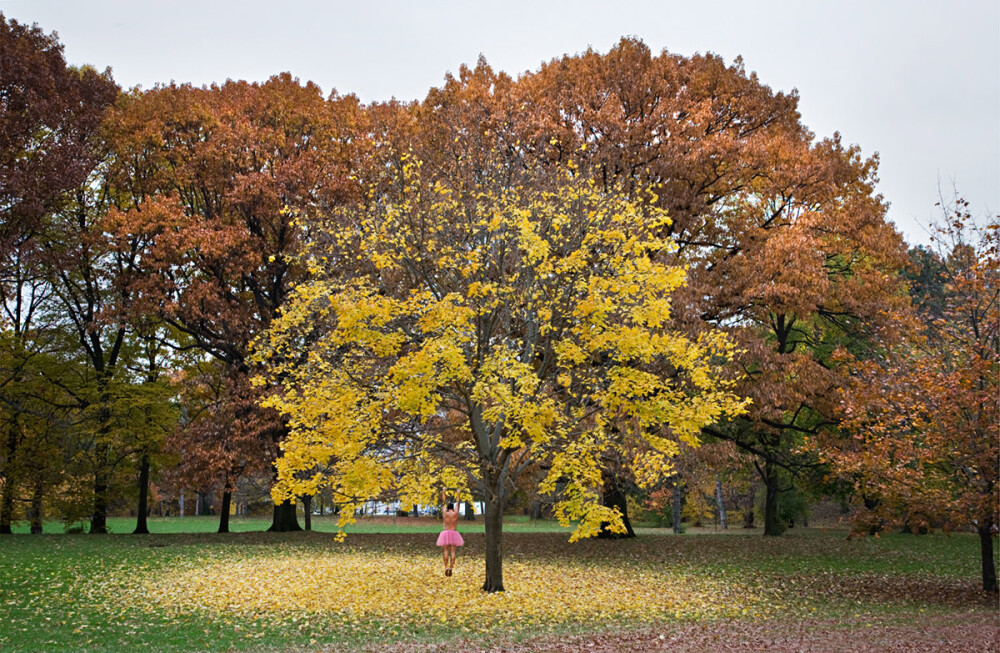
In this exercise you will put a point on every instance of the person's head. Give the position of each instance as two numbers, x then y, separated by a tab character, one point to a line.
451	506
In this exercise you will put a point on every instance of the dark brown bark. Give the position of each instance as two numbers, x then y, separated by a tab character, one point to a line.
986	553
614	497
227	501
772	526
284	520
7	508
494	545
99	518
35	511
10	487
748	512
141	528
307	510
470	511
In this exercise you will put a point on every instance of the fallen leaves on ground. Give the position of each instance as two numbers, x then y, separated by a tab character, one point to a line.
397	589
974	631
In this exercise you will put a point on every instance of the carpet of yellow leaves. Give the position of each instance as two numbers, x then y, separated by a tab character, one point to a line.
396	589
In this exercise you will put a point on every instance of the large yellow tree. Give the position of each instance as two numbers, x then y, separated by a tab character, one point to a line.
461	332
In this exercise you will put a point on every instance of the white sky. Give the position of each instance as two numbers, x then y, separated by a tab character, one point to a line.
917	81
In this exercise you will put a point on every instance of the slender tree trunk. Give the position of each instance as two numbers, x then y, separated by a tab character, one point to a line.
771	525
470	511
7	507
140	525
722	505
10	487
615	498
99	519
494	544
677	505
748	514
102	475
307	510
227	500
985	530
36	507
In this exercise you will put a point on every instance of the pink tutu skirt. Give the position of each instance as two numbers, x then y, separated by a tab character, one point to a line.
450	538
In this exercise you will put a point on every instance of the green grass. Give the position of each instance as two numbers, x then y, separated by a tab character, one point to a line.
325	524
82	592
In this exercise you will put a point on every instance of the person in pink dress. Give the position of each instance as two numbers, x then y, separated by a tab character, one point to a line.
449	537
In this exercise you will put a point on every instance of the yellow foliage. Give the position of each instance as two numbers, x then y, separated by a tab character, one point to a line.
499	327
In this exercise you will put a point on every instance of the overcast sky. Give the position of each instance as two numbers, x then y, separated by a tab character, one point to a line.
916	81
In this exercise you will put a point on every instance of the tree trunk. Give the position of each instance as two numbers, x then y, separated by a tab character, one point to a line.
470	511
284	520
7	507
722	505
986	551
615	498
748	514
772	527
677	505
140	524
307	506
36	508
494	547
7	501
227	502
99	519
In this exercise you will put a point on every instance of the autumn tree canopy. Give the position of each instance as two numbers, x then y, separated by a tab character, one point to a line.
49	118
784	236
921	445
214	177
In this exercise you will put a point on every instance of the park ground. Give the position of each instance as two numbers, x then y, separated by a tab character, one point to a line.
184	588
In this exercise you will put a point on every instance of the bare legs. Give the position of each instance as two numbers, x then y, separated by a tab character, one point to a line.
448	553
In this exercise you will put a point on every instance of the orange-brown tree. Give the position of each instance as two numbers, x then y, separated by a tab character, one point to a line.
922	417
216	177
785	237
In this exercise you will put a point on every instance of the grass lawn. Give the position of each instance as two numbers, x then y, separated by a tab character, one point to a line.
325	524
383	586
